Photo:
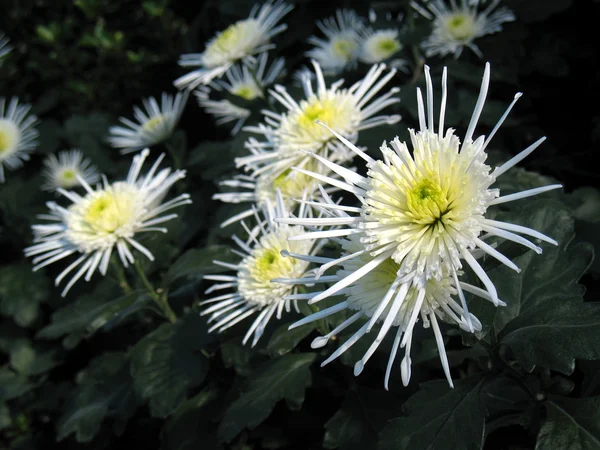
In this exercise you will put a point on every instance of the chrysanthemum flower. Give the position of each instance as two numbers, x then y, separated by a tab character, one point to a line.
263	261
426	210
112	215
261	188
245	82
154	125
457	26
4	47
293	133
63	171
379	45
382	297
341	46
239	41
18	137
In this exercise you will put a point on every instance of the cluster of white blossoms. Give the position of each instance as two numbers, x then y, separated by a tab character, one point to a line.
18	137
246	83
155	123
421	217
113	215
347	39
65	170
238	42
456	26
263	262
289	138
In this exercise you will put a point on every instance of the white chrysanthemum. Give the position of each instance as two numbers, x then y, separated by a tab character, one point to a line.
382	297
256	289
63	171
4	47
293	133
341	46
380	45
261	188
426	210
457	26
239	41
246	82
18	137
112	215
154	125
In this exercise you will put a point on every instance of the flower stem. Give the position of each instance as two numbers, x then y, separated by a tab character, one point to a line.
121	276
159	296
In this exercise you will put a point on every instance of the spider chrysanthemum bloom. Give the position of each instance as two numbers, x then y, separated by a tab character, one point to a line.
427	209
260	188
291	134
18	137
155	123
457	26
4	47
108	217
381	297
380	45
263	261
341	46
63	171
246	83
237	42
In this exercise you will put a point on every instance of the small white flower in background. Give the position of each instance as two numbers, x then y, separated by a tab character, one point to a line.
108	217
62	171
254	283
341	46
18	137
381	297
260	188
155	123
379	46
457	26
426	210
293	133
239	41
4	47
247	82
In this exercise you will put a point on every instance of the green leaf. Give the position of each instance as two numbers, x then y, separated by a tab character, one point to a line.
283	378
235	355
21	292
284	341
191	427
30	359
86	315
105	390
439	417
570	424
168	362
12	385
5	417
363	414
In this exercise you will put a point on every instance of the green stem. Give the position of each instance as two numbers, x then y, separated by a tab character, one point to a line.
123	283
158	296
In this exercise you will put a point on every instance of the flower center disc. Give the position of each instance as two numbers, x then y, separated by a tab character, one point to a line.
110	211
154	123
461	26
427	203
9	137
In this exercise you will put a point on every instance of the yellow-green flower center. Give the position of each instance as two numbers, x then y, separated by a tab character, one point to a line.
110	210
153	123
69	175
9	137
269	264
427	202
233	42
388	46
344	48
324	110
461	26
247	91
